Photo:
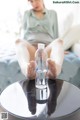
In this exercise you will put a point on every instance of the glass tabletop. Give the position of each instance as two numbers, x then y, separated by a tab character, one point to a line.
23	99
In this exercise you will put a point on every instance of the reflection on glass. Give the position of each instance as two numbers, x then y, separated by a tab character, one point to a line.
52	100
40	96
31	97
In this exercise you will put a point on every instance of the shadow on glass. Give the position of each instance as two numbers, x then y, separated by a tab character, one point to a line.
46	96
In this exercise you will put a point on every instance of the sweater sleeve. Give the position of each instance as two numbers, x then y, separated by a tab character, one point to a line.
55	28
24	22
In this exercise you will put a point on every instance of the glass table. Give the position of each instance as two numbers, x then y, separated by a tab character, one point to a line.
59	101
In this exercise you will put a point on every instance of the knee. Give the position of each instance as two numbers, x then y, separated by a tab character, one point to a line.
17	41
60	41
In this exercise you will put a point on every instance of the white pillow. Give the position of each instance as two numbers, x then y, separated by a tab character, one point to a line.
65	24
71	37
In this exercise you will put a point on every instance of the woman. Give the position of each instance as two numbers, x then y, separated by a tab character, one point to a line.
40	26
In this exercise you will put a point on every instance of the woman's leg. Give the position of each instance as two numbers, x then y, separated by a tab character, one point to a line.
55	57
25	54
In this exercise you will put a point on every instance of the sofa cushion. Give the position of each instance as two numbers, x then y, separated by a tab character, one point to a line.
71	69
76	49
71	37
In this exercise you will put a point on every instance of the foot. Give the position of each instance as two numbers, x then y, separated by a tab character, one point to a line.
52	71
31	70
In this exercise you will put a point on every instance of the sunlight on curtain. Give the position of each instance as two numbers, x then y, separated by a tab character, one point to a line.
9	14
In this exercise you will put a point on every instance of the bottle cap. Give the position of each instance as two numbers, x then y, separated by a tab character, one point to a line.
41	45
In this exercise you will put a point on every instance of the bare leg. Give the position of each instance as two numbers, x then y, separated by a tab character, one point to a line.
56	55
25	55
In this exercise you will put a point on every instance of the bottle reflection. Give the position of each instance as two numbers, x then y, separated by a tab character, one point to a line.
40	96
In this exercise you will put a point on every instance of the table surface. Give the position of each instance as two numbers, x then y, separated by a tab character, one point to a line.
22	99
